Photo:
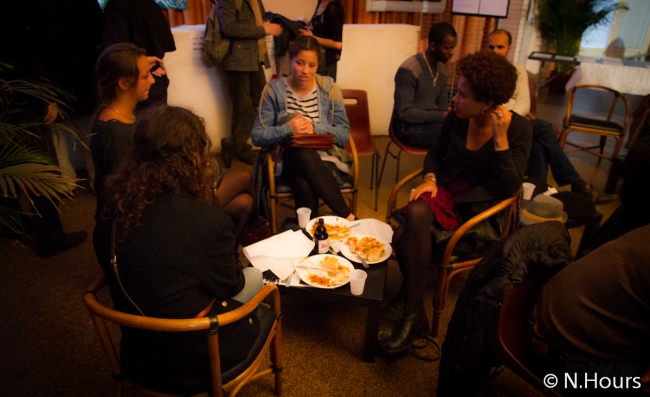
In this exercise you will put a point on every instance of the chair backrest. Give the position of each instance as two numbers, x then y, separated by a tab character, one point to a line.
571	94
509	335
356	108
101	314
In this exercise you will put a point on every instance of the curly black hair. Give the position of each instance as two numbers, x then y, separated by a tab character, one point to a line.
492	76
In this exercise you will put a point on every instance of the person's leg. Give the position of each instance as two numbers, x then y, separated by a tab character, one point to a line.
563	171
236	200
413	247
417	135
307	164
254	283
538	163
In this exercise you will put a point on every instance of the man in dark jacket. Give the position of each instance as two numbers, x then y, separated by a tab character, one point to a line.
247	29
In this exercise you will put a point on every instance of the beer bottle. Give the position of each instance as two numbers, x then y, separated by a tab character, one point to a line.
321	238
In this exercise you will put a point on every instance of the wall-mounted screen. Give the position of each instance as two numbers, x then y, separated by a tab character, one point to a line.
483	8
423	6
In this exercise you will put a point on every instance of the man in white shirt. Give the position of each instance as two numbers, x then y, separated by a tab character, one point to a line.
546	149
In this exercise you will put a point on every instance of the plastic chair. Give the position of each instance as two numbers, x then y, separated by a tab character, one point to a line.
227	383
401	148
605	128
279	193
509	336
451	263
356	107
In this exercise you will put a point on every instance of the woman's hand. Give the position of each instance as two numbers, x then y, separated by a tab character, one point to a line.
306	32
427	186
161	70
300	125
500	123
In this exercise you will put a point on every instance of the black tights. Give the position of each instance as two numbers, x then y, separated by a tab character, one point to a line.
311	179
235	195
412	243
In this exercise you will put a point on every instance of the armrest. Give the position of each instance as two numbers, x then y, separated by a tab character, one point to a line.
392	199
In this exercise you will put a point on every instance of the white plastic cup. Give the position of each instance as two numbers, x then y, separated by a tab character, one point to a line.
357	281
529	188
303	216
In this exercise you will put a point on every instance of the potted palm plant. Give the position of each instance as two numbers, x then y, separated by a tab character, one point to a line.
23	167
562	23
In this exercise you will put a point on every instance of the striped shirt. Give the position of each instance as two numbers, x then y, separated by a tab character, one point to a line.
305	104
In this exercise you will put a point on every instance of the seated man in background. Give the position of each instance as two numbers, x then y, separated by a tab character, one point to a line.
546	149
421	90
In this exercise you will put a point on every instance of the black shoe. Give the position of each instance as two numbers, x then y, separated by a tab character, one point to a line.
391	317
415	324
70	240
597	197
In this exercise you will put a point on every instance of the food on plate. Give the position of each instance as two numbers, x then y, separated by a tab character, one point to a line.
329	279
334	232
369	248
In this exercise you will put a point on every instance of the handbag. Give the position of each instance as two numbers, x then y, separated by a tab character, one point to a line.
311	141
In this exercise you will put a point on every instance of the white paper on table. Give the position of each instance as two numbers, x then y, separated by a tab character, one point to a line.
278	252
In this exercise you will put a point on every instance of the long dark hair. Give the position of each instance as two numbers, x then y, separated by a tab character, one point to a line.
171	154
117	61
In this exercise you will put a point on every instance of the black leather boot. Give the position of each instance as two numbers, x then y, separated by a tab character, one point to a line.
414	324
391	317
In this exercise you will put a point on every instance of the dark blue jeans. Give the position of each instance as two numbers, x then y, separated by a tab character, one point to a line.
416	135
546	151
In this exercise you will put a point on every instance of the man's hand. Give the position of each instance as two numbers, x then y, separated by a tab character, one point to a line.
51	114
306	32
271	28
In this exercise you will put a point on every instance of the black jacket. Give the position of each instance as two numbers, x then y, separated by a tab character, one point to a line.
540	248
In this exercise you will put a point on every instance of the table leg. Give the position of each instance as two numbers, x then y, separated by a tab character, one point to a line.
372	325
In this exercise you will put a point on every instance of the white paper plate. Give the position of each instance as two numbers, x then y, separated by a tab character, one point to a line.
330	220
314	261
347	252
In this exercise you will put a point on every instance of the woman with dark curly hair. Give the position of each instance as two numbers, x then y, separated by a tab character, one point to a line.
174	252
478	159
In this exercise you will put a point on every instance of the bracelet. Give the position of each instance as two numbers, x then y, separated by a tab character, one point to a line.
431	177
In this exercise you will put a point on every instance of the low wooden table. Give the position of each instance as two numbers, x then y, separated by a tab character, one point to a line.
372	296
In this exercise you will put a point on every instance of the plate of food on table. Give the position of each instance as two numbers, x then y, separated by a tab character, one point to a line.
372	249
324	271
337	228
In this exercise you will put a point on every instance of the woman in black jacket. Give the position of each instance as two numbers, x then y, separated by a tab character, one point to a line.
175	254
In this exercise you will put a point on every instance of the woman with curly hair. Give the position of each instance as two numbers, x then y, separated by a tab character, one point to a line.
478	159
174	252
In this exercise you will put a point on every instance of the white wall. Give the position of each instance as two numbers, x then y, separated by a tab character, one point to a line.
292	9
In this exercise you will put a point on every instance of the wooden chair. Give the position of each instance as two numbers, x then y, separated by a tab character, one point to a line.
605	128
356	107
400	148
227	383
279	193
509	336
451	263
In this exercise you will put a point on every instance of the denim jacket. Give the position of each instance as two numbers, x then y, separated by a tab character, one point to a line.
273	107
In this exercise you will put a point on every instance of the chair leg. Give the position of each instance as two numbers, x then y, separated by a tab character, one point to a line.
383	164
375	165
274	214
438	301
563	136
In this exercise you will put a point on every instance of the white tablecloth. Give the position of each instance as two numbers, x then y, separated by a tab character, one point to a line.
626	79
